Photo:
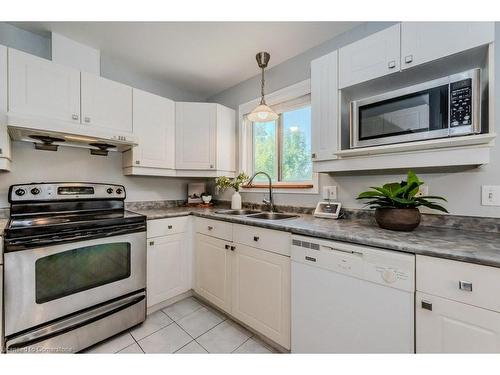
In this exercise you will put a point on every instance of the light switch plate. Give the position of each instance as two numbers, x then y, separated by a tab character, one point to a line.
490	195
330	192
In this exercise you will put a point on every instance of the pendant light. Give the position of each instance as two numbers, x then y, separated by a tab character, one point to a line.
262	113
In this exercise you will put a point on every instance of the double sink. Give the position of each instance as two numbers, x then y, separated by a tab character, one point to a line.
251	214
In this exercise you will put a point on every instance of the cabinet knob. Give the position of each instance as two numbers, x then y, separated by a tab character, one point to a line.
74	117
87	119
151	243
137	162
427	305
313	156
465	285
211	166
169	227
233	247
210	227
226	247
391	64
408	59
255	238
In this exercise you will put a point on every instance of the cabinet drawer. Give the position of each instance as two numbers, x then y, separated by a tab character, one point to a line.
265	239
214	228
164	227
464	282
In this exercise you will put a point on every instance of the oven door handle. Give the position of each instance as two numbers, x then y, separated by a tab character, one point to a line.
73	322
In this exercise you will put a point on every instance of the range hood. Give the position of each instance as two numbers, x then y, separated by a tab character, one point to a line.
99	142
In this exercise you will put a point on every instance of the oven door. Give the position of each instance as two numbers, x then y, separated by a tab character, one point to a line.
411	114
46	283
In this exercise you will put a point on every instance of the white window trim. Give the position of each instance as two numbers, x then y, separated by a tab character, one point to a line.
245	135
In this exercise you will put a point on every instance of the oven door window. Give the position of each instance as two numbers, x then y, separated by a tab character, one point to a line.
414	113
83	268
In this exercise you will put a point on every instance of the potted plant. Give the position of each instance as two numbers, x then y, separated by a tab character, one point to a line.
224	182
396	204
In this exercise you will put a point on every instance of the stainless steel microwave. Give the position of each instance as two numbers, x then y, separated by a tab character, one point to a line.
440	108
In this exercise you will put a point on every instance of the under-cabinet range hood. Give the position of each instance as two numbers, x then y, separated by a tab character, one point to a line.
99	144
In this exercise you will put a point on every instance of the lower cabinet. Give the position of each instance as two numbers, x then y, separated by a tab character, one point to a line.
213	270
261	292
446	326
169	261
249	283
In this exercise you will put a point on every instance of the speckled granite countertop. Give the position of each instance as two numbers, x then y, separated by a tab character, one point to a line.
469	246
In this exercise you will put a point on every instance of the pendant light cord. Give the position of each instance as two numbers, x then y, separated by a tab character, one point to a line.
262	101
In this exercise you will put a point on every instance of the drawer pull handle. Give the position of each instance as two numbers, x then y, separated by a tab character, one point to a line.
210	227
226	247
151	243
169	227
427	305
465	285
255	238
311	259
391	64
408	59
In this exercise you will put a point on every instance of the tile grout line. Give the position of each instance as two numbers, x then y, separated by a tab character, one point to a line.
137	342
241	344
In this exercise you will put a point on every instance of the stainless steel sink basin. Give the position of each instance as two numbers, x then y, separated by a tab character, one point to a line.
272	216
237	212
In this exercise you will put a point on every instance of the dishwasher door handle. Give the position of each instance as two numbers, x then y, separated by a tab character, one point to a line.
343	250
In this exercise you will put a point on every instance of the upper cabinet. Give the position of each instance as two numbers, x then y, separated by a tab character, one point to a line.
204	134
324	107
41	89
106	104
4	136
154	125
422	42
372	57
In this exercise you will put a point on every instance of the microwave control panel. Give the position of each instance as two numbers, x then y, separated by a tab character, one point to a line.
461	103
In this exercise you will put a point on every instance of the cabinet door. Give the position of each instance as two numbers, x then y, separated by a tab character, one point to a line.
4	136
226	134
168	268
324	106
154	124
455	327
374	56
213	271
195	133
261	292
106	105
42	89
422	42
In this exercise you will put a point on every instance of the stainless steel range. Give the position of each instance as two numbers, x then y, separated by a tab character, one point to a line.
74	266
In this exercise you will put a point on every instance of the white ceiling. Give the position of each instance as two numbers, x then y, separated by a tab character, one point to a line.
204	57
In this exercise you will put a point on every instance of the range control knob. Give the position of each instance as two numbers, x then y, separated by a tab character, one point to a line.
35	191
20	192
119	191
109	191
389	276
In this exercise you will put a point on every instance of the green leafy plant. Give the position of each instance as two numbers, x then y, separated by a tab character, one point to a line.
224	182
401	195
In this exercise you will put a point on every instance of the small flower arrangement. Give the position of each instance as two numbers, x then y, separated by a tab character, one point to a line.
224	182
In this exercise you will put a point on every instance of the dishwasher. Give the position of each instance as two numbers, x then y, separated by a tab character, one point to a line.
351	298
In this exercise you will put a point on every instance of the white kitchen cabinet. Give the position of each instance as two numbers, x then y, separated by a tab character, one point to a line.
154	125
422	42
167	265
5	155
42	90
106	105
261	292
213	270
455	327
374	56
324	107
205	135
169	259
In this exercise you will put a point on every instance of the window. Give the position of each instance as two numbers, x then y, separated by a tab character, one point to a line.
282	148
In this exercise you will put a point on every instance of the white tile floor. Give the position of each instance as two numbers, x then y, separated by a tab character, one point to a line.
187	326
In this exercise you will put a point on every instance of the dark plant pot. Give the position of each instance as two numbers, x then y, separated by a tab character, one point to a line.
400	219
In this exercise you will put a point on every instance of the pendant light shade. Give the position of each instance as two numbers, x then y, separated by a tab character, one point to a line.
262	113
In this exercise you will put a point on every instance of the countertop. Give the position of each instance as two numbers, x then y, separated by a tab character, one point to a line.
3	224
468	246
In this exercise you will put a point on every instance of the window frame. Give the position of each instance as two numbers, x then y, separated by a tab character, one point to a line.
245	152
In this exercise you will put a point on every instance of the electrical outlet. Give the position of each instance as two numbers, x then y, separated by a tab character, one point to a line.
423	190
490	195
330	192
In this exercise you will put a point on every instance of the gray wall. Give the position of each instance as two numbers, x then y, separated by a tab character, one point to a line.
462	188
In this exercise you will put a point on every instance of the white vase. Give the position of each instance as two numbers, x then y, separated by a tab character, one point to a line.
236	201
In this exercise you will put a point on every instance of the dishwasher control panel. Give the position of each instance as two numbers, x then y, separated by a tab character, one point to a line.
390	268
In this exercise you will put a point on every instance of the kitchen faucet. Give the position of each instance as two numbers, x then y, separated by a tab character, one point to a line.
269	201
